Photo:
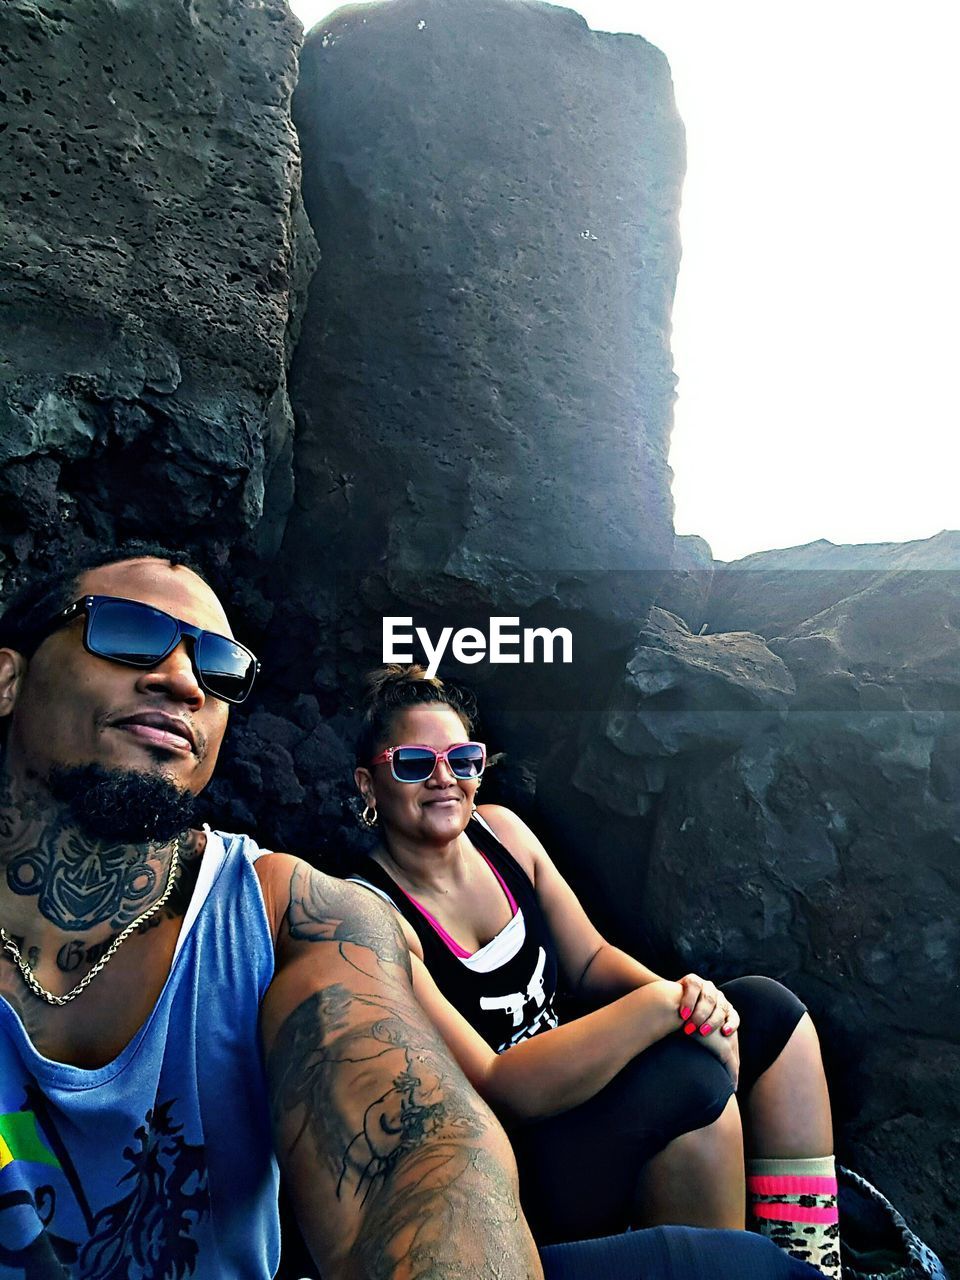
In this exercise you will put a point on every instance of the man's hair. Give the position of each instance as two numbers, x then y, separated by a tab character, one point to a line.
28	612
392	689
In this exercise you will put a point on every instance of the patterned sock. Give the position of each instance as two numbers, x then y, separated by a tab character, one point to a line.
794	1202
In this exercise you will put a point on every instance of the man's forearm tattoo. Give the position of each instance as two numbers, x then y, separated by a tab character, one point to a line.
411	1150
454	1218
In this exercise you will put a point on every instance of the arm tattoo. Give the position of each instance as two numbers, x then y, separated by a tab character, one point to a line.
358	1074
401	1134
428	1222
325	910
332	1037
314	1064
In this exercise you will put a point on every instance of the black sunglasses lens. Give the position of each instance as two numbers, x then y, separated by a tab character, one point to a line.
127	631
413	764
466	761
140	636
227	669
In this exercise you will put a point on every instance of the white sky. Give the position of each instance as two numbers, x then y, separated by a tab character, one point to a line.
815	328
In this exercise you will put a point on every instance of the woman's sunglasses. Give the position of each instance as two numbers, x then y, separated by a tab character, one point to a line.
413	763
138	635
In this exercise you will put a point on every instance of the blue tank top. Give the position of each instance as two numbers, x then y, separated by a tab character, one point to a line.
159	1165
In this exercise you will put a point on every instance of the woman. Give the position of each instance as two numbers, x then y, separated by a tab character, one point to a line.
628	1115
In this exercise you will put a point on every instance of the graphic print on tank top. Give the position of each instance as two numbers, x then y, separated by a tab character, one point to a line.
146	1231
515	1006
506	990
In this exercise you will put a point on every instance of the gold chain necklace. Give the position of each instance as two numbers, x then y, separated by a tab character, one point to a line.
7	944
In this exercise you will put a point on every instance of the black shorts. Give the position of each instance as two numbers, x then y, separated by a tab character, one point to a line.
579	1169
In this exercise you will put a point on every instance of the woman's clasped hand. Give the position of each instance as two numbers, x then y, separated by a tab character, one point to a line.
704	1009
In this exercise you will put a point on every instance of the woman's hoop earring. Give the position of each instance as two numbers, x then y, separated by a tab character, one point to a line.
369	816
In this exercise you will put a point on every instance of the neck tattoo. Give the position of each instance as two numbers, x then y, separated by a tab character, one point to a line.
8	945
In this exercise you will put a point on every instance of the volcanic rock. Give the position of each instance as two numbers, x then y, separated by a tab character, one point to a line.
681	694
484	386
816	840
152	249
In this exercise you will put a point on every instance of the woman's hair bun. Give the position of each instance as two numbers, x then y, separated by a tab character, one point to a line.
392	688
381	681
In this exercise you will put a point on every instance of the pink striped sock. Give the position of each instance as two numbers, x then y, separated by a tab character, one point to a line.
794	1202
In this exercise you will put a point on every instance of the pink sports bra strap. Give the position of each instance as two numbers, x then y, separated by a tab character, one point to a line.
438	928
503	884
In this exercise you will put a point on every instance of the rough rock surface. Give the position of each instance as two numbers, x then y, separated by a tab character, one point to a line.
687	588
484	384
151	244
681	694
816	839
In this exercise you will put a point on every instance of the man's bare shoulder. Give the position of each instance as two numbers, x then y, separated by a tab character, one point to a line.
306	905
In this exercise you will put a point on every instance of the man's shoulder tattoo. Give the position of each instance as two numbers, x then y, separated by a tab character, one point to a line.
323	909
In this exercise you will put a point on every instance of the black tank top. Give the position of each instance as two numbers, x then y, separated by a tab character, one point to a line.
513	1001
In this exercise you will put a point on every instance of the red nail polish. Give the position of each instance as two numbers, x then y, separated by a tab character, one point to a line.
689	1029
706	1029
685	1013
727	1031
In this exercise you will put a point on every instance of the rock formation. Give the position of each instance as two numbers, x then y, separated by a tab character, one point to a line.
152	247
484	382
800	790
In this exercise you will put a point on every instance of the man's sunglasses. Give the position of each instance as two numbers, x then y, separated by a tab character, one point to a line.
413	763
138	635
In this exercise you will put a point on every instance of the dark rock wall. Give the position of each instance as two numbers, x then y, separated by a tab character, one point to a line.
151	242
798	796
484	385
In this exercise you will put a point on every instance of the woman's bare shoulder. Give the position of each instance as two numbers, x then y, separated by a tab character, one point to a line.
513	833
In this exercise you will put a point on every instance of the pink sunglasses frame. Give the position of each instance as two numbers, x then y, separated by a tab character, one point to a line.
386	757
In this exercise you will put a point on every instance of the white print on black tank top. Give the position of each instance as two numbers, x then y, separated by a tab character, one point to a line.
514	1005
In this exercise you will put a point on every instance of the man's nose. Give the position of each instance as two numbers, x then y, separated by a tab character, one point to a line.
176	677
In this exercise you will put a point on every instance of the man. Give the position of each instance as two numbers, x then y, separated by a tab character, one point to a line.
176	1004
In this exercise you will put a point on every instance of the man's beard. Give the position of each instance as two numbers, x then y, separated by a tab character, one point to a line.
120	805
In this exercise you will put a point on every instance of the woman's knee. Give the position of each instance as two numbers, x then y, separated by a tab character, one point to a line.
698	1178
759	997
769	1017
691	1089
804	1044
